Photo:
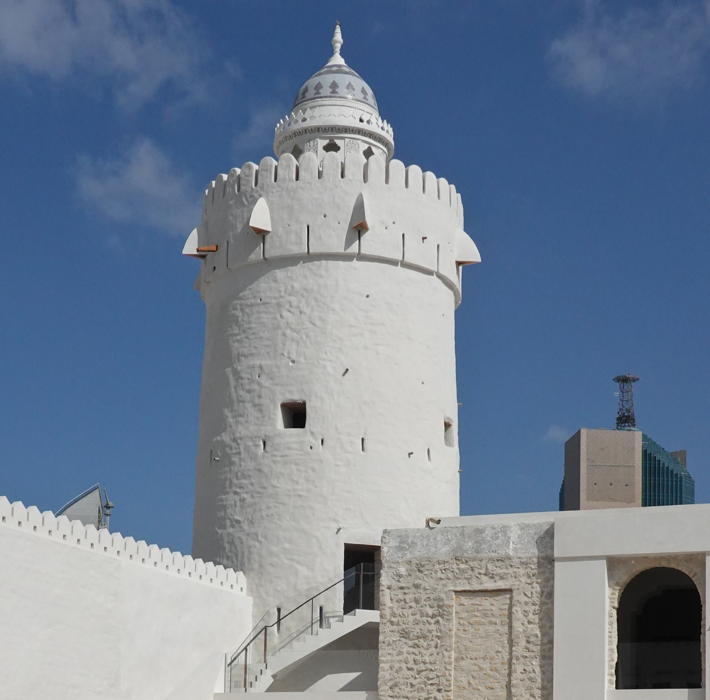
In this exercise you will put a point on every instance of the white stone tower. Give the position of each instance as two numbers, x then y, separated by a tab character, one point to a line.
328	408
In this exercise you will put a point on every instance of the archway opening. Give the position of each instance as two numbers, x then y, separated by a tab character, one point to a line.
659	630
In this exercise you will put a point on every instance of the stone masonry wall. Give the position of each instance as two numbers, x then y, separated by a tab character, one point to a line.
467	613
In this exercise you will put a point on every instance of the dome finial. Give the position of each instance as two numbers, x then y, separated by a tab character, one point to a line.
337	42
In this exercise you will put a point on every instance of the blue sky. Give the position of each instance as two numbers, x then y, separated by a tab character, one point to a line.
577	133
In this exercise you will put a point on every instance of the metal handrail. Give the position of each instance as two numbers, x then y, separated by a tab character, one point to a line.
243	649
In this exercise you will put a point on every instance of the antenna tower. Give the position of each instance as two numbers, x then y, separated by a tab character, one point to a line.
625	416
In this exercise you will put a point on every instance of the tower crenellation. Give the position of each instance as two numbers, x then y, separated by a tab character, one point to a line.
414	218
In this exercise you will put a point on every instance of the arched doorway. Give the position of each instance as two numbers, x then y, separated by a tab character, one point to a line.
659	629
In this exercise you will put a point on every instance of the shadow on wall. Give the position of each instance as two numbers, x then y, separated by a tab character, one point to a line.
545	620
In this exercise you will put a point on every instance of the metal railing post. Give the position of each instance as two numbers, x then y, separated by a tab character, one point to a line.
312	603
246	673
266	629
362	568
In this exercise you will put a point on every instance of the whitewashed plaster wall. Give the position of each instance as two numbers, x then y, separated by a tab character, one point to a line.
89	614
596	554
360	326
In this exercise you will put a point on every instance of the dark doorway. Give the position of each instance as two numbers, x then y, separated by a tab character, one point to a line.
360	563
659	628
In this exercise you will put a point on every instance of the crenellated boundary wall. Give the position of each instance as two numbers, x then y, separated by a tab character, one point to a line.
88	614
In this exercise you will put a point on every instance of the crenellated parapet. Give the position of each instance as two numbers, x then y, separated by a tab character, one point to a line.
112	544
367	209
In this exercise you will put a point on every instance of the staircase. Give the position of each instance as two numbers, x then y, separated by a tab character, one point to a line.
274	650
262	675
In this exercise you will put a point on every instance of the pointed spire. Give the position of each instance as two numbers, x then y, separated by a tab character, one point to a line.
337	42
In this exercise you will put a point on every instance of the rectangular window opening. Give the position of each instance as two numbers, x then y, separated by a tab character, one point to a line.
293	414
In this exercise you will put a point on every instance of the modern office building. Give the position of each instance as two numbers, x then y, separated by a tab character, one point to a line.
622	468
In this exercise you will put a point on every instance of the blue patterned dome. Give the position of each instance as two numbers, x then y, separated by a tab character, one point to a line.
336	80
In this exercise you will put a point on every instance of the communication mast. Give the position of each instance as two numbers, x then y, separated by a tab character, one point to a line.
625	416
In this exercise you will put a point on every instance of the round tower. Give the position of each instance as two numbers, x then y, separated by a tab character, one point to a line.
328	408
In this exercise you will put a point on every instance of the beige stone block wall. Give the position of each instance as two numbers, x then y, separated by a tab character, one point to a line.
620	570
482	643
458	600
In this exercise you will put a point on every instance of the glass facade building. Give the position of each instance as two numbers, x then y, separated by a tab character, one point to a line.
666	480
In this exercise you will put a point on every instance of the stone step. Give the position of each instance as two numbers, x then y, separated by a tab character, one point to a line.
316	695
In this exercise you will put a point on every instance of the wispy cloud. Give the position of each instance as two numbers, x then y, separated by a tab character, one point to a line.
556	433
141	47
644	53
257	136
142	187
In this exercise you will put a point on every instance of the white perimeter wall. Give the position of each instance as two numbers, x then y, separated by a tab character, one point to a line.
89	614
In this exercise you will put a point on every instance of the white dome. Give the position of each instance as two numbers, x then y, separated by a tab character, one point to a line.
335	81
335	109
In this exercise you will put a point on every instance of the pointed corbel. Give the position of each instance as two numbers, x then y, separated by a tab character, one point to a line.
190	247
466	250
359	217
260	219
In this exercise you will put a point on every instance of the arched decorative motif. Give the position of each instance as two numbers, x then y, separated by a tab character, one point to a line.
659	629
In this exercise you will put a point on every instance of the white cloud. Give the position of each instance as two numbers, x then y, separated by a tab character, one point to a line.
141	46
556	433
644	53
257	137
142	188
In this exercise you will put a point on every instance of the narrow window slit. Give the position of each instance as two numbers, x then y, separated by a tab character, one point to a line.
449	432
